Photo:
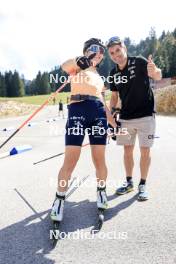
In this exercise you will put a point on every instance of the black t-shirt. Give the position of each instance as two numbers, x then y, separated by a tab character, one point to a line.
133	85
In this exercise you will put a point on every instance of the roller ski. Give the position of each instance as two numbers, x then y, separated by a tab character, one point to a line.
57	216
102	205
100	217
58	208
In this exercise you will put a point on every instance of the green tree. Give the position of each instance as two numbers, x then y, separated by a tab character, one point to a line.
38	86
165	55
45	85
2	85
163	35
130	46
8	83
18	85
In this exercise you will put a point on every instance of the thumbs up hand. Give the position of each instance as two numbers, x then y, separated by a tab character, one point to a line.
153	71
151	67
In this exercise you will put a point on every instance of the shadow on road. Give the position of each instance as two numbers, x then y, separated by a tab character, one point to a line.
25	241
113	211
28	241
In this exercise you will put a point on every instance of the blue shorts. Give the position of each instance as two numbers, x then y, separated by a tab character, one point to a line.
89	117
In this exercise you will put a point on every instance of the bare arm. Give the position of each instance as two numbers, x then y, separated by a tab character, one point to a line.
110	118
70	67
113	100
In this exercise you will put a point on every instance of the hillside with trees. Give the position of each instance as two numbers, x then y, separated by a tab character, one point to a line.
163	50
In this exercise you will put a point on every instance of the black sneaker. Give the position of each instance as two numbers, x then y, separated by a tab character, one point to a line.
125	188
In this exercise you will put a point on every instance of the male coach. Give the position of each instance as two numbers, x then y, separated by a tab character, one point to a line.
131	83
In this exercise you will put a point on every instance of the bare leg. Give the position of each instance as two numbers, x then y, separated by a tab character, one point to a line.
145	161
98	157
128	159
72	155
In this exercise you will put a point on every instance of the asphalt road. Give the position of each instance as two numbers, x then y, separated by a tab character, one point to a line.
133	232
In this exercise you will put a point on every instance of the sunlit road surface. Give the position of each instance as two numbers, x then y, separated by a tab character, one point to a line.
133	232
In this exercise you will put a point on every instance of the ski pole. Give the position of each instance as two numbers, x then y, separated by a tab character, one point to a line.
35	112
54	156
77	186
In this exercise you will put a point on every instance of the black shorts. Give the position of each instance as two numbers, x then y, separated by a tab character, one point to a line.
86	117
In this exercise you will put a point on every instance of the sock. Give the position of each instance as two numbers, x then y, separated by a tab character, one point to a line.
142	181
101	188
129	178
101	185
60	194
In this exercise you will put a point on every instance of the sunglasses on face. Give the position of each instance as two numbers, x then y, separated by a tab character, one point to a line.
113	40
96	49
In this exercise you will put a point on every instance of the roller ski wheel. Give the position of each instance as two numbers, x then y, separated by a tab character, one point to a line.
100	217
97	227
55	232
